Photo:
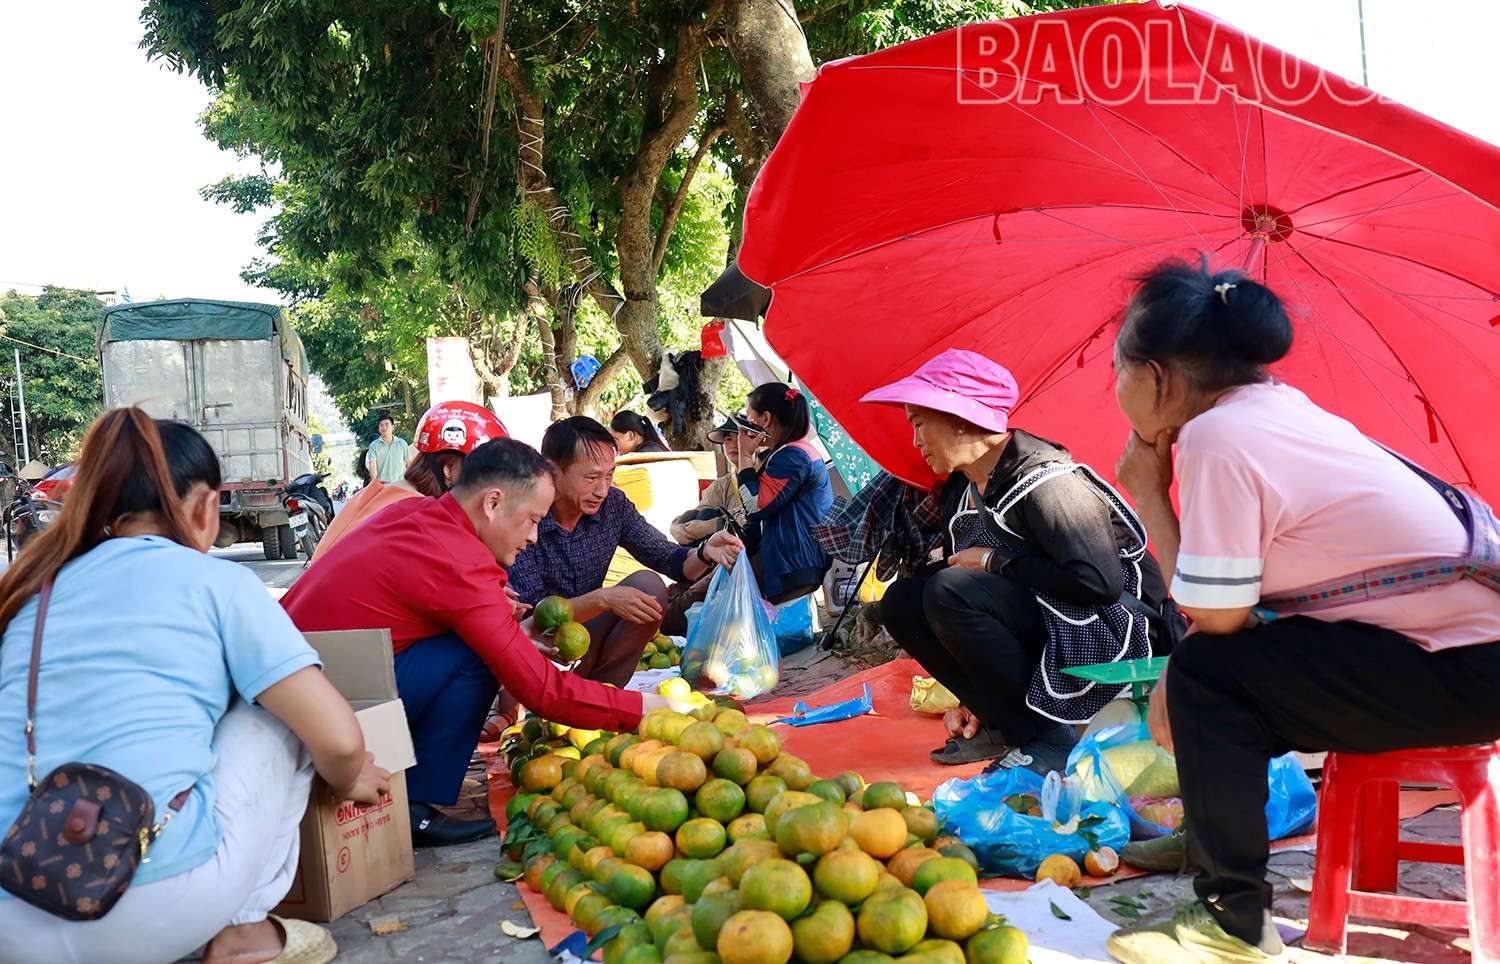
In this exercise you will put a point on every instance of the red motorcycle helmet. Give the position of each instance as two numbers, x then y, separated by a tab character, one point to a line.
457	427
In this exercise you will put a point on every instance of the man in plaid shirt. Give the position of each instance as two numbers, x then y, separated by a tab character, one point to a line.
589	519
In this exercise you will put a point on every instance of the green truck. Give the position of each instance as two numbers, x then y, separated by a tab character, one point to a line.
236	372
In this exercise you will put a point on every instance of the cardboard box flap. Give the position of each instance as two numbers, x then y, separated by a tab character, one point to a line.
387	735
358	663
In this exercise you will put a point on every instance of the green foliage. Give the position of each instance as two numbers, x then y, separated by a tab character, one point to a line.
60	363
320	460
427	165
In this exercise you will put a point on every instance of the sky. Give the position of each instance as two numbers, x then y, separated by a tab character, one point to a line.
102	158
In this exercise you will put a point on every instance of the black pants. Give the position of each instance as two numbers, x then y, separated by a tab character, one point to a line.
1238	700
981	636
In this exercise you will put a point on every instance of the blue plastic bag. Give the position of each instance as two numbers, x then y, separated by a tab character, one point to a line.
794	625
1291	803
804	715
731	648
1012	844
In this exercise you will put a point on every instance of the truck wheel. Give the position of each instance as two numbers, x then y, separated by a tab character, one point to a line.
270	541
288	540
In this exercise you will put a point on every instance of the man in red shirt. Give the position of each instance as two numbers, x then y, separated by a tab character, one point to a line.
430	571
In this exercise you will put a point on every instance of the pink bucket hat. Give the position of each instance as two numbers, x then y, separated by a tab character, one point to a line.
962	383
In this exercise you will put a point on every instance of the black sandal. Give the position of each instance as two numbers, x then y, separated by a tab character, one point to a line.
979	747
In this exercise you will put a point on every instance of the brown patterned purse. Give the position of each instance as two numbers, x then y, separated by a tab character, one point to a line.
80	837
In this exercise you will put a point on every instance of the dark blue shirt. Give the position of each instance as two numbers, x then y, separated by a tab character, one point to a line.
569	564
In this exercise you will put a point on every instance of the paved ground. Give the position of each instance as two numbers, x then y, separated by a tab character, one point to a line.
450	912
278	575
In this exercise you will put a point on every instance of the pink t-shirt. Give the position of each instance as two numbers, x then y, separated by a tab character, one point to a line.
1278	494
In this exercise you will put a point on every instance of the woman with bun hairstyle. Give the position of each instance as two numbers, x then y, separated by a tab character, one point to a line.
1286	509
635	433
788	490
179	672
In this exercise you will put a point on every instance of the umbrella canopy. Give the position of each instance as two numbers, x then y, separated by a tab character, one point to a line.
995	188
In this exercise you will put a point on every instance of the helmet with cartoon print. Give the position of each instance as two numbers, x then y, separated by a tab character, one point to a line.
457	427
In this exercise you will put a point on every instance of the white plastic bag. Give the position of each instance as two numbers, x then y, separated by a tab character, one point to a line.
731	647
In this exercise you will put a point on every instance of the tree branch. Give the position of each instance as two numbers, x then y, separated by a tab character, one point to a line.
674	210
588	401
537	186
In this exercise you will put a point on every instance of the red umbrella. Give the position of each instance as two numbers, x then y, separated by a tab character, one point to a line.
995	187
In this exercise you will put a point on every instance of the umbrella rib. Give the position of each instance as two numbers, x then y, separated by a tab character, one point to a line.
1424	266
1138	245
1094	111
916	236
1141	171
1409	295
1384	205
1436	416
1043	385
1361	187
1306	226
1403	372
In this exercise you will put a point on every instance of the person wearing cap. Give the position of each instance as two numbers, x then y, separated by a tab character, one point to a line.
723	505
446	433
788	492
722	497
972	618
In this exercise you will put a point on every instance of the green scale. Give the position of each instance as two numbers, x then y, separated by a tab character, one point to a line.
1139	673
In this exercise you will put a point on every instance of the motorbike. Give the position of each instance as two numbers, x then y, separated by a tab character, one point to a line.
309	509
27	513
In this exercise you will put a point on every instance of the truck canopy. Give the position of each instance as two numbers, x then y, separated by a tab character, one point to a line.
192	319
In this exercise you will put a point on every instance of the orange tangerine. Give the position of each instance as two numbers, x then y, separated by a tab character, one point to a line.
879	832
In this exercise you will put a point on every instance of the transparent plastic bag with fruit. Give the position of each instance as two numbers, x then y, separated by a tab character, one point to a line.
1123	766
731	648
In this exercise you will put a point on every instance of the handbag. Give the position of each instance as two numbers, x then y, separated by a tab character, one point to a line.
85	829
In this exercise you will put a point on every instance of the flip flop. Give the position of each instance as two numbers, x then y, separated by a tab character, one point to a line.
959	750
305	943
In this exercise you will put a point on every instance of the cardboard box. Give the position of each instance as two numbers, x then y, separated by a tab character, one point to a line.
352	854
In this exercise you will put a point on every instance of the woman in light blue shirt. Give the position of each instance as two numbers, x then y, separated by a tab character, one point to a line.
177	671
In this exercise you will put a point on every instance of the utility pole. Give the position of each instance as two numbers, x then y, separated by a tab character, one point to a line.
1364	61
21	393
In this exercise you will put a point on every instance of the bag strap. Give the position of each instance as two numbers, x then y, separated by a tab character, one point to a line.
1447	490
31	678
1052	470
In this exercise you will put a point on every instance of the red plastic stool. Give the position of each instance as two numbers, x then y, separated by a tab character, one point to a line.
1359	844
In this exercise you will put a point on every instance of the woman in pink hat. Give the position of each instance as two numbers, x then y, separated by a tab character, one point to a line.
1043	566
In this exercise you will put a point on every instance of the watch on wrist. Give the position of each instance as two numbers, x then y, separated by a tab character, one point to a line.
701	557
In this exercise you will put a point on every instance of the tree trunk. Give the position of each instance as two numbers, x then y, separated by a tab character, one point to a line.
771	53
539	309
694	434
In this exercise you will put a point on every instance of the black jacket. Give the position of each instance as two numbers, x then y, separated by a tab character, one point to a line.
1073	538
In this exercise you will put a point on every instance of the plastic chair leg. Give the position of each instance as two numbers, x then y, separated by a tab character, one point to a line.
1327	925
1481	829
1379	821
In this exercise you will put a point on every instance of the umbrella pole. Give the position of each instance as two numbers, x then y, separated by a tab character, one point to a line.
1252	257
